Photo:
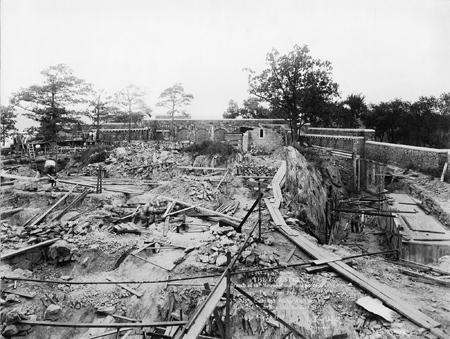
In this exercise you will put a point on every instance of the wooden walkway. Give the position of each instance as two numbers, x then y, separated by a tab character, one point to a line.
386	294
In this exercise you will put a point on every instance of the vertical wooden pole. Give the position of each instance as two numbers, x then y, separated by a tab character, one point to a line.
358	161
227	310
101	178
259	211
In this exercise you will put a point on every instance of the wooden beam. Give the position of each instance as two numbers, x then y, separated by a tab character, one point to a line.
203	168
11	211
220	182
201	318
185	209
129	289
424	278
384	293
92	325
203	210
290	254
101	335
167	269
170	206
417	266
443	171
27	249
93	186
19	177
21	294
217	316
40	218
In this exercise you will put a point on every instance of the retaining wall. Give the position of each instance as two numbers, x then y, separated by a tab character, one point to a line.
368	134
344	143
403	155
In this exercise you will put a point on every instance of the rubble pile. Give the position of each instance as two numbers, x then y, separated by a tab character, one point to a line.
140	160
226	239
255	170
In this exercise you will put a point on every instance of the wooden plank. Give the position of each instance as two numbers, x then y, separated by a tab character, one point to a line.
101	335
205	313
11	211
131	320
93	186
387	295
170	206
93	325
127	335
23	294
220	182
19	177
203	210
148	261
166	226
443	171
40	218
417	266
143	248
129	289
203	168
29	248
290	254
185	209
424	278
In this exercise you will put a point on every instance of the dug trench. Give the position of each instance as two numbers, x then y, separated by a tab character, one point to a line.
321	305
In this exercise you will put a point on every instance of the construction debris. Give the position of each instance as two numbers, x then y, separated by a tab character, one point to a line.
161	246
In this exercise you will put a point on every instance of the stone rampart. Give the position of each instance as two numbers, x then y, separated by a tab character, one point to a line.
404	155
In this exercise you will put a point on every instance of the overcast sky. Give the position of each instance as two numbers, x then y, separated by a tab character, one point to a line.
382	49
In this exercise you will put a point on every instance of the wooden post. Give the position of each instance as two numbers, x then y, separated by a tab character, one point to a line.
259	211
228	302
216	316
443	171
358	161
100	173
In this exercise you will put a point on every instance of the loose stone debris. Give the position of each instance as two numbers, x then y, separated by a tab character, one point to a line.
133	254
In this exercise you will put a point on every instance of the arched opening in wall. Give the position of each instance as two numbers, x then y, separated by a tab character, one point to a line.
201	135
219	134
183	134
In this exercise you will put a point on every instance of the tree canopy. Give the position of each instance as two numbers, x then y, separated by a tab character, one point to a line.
252	109
56	103
173	98
425	122
295	85
8	120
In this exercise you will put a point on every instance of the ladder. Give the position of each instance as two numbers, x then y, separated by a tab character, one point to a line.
32	155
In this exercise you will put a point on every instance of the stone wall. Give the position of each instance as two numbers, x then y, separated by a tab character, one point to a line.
190	129
368	134
266	139
404	155
344	143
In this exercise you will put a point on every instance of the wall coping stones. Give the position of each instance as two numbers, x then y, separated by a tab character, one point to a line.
415	148
345	137
341	129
